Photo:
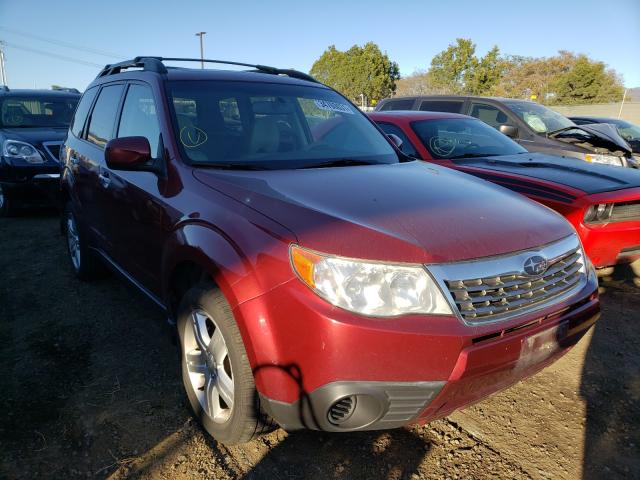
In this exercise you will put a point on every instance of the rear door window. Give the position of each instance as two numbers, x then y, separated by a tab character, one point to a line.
103	117
489	114
449	106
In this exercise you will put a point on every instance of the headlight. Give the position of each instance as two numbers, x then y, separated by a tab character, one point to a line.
14	149
606	159
369	288
599	213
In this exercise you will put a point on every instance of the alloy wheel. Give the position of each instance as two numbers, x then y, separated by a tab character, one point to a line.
73	241
209	367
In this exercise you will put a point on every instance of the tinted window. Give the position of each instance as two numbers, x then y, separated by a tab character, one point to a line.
463	138
82	111
404	104
37	111
102	121
271	126
450	106
407	146
139	116
489	114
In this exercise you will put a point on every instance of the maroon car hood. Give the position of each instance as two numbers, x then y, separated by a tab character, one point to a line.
409	212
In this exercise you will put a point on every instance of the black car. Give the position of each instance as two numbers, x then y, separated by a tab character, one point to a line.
33	124
534	126
627	130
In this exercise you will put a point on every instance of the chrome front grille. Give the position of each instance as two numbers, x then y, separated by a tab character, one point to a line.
625	212
487	290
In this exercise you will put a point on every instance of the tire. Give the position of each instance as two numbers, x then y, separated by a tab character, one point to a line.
85	263
7	207
219	382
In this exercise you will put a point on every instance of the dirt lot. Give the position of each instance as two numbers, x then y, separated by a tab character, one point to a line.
90	389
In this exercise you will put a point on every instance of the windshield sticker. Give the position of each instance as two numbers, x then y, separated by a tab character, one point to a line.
192	137
333	106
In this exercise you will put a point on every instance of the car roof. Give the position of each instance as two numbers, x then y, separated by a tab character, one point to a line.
597	119
410	115
179	73
456	97
27	92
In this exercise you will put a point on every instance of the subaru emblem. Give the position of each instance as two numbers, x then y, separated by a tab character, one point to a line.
535	265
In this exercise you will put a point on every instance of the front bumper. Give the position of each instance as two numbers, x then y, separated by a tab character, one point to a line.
314	363
611	243
31	185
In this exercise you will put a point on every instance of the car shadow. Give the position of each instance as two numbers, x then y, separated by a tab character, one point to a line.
610	383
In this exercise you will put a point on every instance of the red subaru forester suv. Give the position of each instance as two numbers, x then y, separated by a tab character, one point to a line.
318	277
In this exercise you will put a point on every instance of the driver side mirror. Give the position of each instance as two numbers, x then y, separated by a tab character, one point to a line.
129	153
397	141
509	131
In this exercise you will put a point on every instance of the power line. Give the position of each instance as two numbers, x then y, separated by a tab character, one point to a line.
63	44
53	55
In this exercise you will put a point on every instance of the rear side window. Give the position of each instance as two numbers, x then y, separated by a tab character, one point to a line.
103	117
407	146
139	116
82	111
449	106
405	104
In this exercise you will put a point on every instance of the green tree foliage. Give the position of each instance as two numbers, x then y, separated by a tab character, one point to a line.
359	70
587	82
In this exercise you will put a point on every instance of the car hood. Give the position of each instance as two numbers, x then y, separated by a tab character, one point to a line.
571	172
406	212
605	136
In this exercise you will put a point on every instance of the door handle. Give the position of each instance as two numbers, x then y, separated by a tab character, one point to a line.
104	179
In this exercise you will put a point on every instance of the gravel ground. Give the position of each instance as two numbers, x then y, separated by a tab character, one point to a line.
90	389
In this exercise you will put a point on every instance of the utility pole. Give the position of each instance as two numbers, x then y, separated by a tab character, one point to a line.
201	34
3	72
621	105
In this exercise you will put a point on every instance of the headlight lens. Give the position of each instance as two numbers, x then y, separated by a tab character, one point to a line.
14	149
368	288
606	159
599	213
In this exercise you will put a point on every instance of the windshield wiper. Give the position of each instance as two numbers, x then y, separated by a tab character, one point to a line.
231	166
340	162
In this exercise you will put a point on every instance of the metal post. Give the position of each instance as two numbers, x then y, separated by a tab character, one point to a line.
622	104
3	76
201	34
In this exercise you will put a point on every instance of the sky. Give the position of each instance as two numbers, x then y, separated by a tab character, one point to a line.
38	35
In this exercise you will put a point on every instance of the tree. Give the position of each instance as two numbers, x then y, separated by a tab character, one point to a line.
587	82
457	69
359	70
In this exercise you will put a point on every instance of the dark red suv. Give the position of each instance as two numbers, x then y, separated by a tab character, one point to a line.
318	277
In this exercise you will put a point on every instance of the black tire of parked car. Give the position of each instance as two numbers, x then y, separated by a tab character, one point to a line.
7	207
87	265
246	420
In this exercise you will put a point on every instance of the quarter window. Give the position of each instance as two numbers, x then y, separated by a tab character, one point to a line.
101	123
139	116
82	111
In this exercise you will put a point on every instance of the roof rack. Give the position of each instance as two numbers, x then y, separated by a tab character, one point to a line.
154	64
65	89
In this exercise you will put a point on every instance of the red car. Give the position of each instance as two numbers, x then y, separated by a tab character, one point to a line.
317	276
601	202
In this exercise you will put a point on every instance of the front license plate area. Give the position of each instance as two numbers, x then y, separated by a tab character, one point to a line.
539	347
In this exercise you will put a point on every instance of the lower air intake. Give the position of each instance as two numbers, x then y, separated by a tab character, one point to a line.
342	410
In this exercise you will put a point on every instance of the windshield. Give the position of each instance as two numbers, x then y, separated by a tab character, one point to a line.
272	126
628	131
463	138
540	118
33	111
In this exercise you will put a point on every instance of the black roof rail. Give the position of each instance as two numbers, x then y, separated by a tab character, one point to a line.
155	64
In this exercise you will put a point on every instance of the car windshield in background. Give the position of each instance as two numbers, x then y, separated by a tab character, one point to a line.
45	111
463	138
540	118
628	131
272	126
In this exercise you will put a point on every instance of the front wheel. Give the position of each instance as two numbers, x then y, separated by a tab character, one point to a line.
6	202
215	369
